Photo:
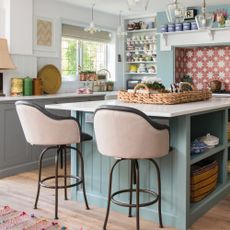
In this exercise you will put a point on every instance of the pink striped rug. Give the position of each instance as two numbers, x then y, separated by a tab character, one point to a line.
11	219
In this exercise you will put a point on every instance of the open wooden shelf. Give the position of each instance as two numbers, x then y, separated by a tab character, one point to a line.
209	152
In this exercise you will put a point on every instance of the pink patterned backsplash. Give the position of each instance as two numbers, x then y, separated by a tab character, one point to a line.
204	64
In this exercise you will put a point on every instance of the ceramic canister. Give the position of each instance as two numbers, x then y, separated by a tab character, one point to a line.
164	28
27	86
186	26
16	87
179	27
194	26
171	27
37	86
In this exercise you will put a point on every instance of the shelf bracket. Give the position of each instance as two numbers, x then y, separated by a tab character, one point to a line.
211	34
165	38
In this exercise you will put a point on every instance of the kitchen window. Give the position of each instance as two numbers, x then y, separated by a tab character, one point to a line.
82	51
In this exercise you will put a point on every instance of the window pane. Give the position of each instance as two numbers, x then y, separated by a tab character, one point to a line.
88	55
94	55
69	57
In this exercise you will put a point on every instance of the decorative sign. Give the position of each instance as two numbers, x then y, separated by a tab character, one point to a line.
190	14
44	33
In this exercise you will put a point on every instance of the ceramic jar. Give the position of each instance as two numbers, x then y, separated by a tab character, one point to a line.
186	26
210	141
16	87
27	86
164	28
194	26
171	27
178	27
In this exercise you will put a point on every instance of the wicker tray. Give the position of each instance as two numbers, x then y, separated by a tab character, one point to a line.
203	180
166	98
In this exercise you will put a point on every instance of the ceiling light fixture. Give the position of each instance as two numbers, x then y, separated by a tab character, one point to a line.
204	20
120	28
92	27
137	5
175	12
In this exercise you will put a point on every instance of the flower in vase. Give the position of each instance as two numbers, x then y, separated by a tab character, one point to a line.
221	16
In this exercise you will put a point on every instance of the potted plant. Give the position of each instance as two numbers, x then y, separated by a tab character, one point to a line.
87	75
154	84
109	85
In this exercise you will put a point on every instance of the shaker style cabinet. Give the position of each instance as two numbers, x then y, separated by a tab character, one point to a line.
140	48
16	155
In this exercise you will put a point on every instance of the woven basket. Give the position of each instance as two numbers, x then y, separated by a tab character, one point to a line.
203	179
166	98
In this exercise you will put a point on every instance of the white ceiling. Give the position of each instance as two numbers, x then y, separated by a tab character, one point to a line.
115	6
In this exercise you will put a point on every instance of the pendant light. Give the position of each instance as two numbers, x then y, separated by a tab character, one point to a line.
175	12
120	28
137	5
92	27
204	20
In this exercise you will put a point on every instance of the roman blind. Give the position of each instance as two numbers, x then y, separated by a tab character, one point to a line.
78	32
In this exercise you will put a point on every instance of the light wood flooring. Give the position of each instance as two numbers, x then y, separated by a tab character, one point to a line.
19	192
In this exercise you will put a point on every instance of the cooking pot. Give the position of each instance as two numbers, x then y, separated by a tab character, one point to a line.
215	85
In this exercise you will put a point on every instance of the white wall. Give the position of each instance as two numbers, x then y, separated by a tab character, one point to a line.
58	13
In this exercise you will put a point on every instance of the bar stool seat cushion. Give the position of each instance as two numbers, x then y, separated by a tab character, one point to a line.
123	132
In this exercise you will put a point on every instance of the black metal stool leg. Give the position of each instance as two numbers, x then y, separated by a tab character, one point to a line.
40	175
65	171
131	188
137	195
159	192
83	178
110	193
56	183
61	158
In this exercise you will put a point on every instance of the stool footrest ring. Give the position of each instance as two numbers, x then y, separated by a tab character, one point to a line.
77	178
144	204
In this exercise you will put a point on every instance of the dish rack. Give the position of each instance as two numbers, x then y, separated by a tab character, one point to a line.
146	96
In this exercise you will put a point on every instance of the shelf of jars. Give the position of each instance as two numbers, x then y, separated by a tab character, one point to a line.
142	30
130	73
199	37
139	62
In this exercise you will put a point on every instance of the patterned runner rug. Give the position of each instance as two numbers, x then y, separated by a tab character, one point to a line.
11	219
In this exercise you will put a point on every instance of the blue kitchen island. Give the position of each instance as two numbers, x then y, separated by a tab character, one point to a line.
186	122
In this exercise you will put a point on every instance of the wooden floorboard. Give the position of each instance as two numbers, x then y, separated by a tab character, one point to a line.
19	192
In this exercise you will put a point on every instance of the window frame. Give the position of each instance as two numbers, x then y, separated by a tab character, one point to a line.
79	56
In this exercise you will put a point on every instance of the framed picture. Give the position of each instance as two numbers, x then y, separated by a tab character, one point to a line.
44	34
190	14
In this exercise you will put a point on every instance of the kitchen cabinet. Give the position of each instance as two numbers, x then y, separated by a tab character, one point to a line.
16	155
140	48
187	122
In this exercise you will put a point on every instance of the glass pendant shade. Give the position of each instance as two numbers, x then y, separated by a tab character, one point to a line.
175	12
120	29
138	5
92	27
204	20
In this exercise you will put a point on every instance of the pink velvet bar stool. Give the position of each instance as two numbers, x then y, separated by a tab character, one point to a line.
128	134
46	129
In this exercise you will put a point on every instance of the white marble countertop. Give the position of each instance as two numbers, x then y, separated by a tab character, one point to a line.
51	96
150	110
221	94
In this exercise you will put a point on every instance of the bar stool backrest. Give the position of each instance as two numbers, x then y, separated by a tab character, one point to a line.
43	128
124	132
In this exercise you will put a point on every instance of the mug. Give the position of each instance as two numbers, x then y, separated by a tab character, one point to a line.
150	25
143	25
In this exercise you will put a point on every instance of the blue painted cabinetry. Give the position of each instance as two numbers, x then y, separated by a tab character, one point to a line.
175	168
